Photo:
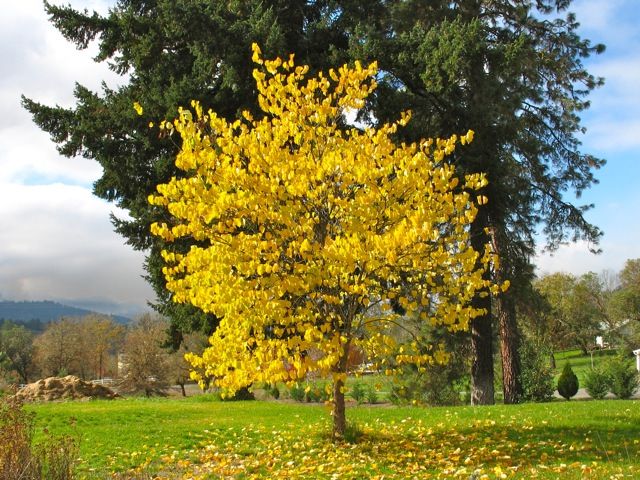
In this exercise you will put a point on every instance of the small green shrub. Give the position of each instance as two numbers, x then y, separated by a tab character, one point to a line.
436	386
319	392
272	390
244	393
623	377
313	392
596	383
297	393
372	395
536	374
358	392
568	382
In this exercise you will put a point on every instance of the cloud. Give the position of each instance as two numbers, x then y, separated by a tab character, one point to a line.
612	119
57	240
576	258
39	63
58	243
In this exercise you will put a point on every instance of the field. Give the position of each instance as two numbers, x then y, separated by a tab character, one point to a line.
581	363
200	437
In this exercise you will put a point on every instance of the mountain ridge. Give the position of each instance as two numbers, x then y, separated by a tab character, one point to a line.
46	311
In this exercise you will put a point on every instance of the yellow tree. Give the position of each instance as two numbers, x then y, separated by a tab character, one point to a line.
304	232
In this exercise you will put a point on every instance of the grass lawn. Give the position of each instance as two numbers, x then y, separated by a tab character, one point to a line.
580	363
201	438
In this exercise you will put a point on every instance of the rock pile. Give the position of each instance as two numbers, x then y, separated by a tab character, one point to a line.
65	388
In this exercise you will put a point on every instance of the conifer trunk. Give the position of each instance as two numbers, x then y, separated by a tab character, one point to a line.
509	343
482	390
507	324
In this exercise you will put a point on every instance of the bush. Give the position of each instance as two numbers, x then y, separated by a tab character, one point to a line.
297	393
623	377
358	392
317	392
596	383
372	395
433	387
272	390
536	374
245	393
310	393
568	382
54	459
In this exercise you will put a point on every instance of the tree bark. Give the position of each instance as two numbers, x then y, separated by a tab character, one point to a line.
339	413
482	390
509	343
506	313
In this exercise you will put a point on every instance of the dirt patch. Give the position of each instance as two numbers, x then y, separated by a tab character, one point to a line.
64	388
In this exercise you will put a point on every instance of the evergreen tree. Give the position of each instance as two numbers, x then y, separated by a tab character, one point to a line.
173	51
567	382
512	71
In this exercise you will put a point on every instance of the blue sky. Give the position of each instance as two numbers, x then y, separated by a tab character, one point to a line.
56	241
613	133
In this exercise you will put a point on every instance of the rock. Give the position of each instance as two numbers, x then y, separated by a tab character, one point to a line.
66	388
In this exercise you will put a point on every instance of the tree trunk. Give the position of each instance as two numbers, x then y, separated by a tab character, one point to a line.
482	390
506	313
339	413
184	392
509	343
553	361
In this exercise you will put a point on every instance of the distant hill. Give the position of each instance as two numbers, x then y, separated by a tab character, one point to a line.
45	311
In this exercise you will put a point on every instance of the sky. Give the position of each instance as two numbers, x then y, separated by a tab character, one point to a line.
56	239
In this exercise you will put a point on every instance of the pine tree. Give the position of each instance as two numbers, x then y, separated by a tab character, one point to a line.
567	382
513	71
174	51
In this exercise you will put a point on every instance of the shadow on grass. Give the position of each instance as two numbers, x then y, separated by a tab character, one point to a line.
413	449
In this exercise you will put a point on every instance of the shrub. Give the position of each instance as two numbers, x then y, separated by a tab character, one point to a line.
54	459
317	392
623	377
372	395
358	392
272	390
311	392
432	387
536	374
568	382
596	383
297	393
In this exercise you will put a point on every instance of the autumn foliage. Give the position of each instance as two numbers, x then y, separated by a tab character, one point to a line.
305	233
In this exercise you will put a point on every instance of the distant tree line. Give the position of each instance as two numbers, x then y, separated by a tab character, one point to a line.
567	311
95	347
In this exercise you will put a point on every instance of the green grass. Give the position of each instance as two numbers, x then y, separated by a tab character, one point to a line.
580	363
202	438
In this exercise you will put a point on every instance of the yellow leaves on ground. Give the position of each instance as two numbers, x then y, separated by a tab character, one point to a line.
405	449
304	228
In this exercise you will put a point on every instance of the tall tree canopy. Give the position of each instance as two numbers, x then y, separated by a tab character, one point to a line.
510	69
173	51
308	232
513	71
